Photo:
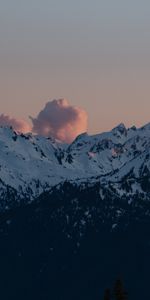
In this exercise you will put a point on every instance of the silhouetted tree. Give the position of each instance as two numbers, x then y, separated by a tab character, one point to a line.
119	293
107	294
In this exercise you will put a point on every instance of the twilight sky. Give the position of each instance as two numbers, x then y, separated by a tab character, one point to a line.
94	53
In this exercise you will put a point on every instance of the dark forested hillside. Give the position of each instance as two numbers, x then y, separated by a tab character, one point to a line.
71	244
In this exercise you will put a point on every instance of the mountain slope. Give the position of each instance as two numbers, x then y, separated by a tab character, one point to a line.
30	165
74	217
72	244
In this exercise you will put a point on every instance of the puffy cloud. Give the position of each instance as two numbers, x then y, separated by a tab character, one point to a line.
60	120
17	124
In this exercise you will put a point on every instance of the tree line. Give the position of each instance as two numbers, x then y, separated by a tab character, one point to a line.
117	293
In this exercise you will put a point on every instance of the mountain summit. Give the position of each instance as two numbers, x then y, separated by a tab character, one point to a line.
31	165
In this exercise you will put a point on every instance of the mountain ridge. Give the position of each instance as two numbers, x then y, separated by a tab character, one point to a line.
74	217
32	164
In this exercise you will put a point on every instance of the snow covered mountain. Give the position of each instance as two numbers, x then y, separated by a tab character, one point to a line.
31	165
74	217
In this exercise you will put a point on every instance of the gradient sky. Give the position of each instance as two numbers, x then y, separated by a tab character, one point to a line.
94	53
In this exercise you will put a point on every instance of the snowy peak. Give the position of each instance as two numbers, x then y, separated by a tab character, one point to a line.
120	128
146	127
31	164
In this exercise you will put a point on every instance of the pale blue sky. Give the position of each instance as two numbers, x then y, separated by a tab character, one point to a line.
94	53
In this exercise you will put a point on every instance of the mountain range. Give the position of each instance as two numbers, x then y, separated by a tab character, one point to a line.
74	217
30	165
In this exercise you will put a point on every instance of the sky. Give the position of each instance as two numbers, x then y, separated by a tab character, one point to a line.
94	53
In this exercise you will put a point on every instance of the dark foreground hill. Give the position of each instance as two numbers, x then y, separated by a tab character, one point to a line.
71	243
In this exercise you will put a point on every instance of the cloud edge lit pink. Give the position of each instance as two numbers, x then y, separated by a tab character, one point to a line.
58	119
